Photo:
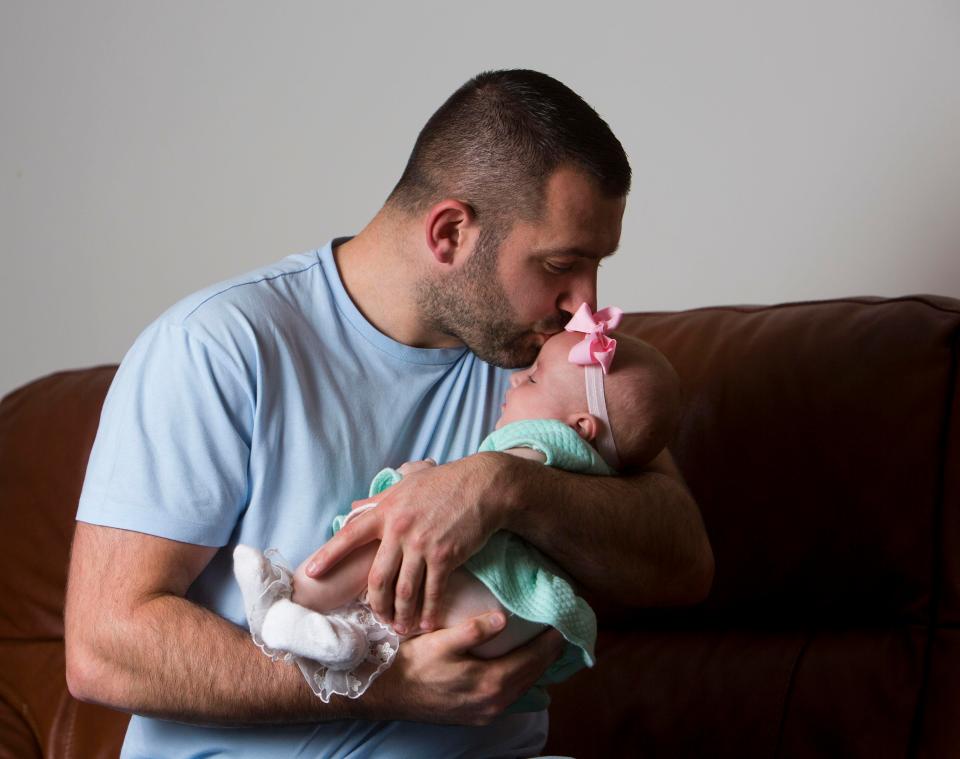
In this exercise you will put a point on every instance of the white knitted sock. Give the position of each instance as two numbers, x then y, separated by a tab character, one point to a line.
325	638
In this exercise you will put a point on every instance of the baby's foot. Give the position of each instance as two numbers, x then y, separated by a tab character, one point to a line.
260	584
329	639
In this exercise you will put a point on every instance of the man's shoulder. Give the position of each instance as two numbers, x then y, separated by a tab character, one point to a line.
241	318
266	292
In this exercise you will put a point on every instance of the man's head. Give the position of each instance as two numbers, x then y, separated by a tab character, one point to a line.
520	186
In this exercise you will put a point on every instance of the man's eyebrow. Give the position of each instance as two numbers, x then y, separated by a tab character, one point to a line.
575	252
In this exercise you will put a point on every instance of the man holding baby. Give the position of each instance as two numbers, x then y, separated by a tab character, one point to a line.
256	410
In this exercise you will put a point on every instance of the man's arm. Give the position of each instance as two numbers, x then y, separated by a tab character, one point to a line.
135	643
637	539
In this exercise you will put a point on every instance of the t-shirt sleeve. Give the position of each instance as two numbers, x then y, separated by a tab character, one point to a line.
171	453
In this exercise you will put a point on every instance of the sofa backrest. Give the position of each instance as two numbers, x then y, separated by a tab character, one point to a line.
817	439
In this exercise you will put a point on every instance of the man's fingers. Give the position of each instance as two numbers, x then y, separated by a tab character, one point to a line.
471	632
380	581
529	661
359	532
521	668
432	598
408	593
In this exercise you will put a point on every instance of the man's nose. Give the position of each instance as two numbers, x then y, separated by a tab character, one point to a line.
516	378
584	290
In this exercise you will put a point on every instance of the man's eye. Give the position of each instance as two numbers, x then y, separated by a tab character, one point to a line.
558	268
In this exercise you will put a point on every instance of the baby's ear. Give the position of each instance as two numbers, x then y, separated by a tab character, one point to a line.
585	425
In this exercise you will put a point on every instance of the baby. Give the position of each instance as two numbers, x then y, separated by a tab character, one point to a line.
574	408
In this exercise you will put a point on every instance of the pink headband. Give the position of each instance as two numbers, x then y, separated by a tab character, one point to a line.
595	354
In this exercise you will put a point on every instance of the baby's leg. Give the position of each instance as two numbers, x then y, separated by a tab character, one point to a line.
340	585
467	597
300	625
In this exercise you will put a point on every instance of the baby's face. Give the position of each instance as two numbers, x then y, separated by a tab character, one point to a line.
552	388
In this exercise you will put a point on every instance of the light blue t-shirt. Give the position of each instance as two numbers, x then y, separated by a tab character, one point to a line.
253	412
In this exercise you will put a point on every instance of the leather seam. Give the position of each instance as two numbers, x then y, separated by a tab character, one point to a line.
22	709
788	692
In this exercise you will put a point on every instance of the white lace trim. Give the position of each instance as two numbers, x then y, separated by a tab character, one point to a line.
278	585
382	641
382	646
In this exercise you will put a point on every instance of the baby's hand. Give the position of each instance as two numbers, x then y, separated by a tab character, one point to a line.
415	466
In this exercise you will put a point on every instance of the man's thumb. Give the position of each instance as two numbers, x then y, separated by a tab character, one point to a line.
474	631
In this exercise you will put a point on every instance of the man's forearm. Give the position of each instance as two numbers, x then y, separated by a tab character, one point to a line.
133	642
185	663
635	539
175	660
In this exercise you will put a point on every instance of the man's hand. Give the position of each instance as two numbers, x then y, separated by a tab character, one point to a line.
428	524
435	679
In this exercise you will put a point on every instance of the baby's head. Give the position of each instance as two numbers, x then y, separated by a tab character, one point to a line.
641	390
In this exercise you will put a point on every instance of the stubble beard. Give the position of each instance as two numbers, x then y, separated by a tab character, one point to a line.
473	307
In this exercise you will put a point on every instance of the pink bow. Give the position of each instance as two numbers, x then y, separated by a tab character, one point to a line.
596	347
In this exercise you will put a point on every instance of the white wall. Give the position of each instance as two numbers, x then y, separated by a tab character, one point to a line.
781	151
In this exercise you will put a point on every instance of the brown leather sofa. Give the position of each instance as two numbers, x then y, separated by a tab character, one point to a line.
822	441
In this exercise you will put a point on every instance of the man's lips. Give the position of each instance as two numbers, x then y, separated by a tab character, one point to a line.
548	330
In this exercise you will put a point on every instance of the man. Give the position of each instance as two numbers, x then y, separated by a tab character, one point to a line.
255	410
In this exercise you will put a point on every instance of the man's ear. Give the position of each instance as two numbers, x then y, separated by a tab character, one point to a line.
585	425
449	227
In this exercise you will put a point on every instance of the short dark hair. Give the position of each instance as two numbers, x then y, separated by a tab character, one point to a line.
497	139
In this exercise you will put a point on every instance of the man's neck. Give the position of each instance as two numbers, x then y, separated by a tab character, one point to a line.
379	270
